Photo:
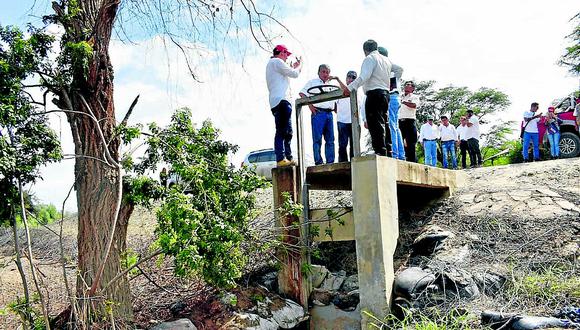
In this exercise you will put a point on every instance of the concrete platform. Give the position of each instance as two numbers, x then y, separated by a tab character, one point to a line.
338	176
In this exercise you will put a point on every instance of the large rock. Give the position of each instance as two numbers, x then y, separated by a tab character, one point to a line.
332	318
457	281
288	314
318	275
333	281
250	321
347	301
430	240
181	324
411	281
350	283
321	297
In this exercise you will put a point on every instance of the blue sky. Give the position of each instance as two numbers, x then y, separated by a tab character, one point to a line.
511	45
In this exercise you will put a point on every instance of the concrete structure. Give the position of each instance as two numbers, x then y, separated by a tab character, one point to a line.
380	187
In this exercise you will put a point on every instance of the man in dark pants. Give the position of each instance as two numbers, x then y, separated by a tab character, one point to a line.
375	80
473	137
407	118
277	79
462	140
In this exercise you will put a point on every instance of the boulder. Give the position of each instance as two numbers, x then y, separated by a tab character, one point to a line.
181	324
318	275
411	281
288	315
350	284
333	281
321	297
456	281
430	240
251	322
348	301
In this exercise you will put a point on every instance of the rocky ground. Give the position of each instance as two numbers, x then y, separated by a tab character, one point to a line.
507	242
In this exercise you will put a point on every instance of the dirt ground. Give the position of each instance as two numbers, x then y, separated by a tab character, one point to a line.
510	215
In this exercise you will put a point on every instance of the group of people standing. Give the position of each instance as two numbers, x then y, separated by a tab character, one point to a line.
531	132
466	136
389	116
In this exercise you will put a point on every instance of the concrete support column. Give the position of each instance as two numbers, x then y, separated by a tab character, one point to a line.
292	283
374	191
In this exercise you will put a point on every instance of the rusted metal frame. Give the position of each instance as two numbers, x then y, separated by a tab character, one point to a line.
354	113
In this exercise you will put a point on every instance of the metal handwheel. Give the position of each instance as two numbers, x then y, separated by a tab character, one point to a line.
322	89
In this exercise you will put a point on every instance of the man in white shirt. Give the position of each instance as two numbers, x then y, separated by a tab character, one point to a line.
462	140
473	137
277	74
531	132
397	147
322	120
374	79
407	118
448	136
344	121
428	137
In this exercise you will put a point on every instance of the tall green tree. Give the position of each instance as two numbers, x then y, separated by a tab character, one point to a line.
571	56
83	82
26	140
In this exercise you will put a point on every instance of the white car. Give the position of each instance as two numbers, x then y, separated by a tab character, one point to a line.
261	162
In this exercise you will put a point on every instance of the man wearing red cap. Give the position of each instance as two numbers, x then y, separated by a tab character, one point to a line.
277	79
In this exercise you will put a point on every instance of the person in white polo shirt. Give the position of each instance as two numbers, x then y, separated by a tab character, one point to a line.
407	117
277	74
473	137
428	137
531	133
462	140
448	136
322	119
344	120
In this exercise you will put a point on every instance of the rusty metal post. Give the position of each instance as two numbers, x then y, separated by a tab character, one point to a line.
355	124
292	283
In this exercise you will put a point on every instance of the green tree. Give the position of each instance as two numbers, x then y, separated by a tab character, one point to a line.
204	228
82	82
26	140
571	56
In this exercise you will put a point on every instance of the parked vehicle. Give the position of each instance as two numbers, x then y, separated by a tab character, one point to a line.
569	135
261	162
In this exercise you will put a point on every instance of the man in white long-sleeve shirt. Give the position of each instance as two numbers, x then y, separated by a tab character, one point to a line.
277	79
428	137
374	79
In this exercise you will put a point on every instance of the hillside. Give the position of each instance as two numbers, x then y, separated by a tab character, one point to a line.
514	228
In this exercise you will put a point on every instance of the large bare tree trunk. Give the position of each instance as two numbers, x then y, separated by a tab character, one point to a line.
97	183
